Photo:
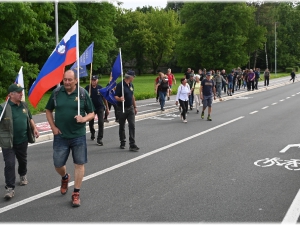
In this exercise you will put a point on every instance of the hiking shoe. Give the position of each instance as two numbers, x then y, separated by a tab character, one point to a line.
209	118
64	185
122	146
134	148
92	136
202	115
75	199
168	98
9	193
106	121
23	180
99	142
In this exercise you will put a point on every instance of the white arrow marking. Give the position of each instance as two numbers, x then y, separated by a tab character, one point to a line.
288	147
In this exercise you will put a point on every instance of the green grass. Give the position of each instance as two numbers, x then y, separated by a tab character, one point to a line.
143	85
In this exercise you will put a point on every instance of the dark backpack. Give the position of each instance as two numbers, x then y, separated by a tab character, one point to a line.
81	90
164	85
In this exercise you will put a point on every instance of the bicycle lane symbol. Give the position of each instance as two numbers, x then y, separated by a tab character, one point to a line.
291	164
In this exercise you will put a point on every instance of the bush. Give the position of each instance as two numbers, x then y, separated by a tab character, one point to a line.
296	68
289	69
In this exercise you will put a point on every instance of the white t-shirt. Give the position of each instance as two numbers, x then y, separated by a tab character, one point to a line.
183	92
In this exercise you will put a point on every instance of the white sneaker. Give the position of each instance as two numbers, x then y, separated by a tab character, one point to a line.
9	193
185	121
23	180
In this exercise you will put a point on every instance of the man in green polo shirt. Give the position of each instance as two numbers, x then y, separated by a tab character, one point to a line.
69	130
14	121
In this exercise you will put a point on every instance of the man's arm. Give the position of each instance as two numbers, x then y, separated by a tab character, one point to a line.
134	105
54	128
35	131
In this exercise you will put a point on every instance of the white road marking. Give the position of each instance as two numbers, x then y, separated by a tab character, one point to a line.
253	112
274	103
288	147
265	107
51	191
293	95
282	100
288	97
298	93
292	215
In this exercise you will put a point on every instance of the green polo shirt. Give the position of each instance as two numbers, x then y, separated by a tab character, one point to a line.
19	114
66	109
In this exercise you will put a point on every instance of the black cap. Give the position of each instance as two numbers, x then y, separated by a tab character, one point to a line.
131	73
94	77
15	87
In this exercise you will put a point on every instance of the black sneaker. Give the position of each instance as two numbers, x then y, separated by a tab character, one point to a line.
99	142
106	121
134	148
122	146
92	136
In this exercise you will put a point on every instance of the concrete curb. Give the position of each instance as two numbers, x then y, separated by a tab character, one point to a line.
48	137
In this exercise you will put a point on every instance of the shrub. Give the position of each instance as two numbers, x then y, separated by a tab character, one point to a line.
296	68
289	69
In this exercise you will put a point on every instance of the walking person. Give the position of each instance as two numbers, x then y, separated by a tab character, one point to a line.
224	84
182	97
207	91
293	75
162	87
100	105
196	90
230	82
127	96
218	79
14	138
257	77
239	78
69	132
155	83
245	78
171	78
251	77
191	82
267	75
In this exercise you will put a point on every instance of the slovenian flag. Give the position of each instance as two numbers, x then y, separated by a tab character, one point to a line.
20	80
52	72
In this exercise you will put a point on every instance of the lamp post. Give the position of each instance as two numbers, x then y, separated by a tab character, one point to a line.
275	52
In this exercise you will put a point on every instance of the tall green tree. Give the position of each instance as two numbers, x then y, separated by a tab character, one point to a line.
217	35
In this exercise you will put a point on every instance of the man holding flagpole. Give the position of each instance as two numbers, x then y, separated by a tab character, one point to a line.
69	130
125	96
15	116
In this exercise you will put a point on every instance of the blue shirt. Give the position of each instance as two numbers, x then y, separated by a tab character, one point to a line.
96	96
207	87
230	78
128	93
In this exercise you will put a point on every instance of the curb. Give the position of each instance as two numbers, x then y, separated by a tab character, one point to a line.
48	137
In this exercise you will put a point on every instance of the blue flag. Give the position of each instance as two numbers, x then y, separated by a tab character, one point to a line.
108	92
85	59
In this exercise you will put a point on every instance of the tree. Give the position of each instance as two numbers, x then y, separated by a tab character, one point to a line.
217	35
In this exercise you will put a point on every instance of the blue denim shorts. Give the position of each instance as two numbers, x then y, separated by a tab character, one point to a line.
230	85
207	101
63	146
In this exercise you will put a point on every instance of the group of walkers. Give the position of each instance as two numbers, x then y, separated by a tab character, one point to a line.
68	128
205	86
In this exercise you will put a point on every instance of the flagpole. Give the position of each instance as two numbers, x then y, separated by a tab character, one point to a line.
91	79
122	78
56	26
4	108
78	77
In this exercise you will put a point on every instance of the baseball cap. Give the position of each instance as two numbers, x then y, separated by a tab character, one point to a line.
130	73
208	74
15	87
94	77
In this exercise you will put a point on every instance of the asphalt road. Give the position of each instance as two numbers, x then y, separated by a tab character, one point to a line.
196	172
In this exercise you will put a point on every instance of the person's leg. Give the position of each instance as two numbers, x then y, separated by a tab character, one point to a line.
252	83
9	168
268	78
92	129
100	113
183	109
204	103
161	99
21	155
131	126
197	102
157	95
122	120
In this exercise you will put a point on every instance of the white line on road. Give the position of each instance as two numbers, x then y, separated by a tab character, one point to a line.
288	97
253	112
51	191
292	215
282	100
293	95
265	107
274	103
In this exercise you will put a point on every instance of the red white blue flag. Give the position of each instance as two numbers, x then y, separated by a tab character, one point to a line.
52	72
20	80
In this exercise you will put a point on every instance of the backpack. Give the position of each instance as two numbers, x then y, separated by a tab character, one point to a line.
164	85
81	90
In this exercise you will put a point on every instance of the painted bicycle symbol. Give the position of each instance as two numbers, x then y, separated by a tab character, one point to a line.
291	164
